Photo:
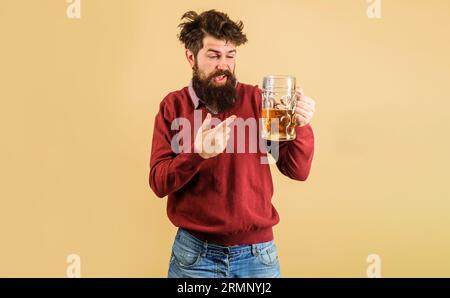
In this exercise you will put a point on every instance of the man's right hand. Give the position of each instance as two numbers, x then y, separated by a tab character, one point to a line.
210	142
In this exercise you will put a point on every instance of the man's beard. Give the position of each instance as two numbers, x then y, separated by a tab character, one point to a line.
218	98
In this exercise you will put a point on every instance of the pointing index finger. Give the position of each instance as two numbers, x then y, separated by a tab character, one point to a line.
226	122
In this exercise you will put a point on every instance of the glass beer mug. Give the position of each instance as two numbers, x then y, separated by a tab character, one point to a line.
278	108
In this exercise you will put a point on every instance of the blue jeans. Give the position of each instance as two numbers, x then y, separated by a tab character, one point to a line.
192	257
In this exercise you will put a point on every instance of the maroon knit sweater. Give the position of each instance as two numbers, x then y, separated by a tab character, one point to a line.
225	199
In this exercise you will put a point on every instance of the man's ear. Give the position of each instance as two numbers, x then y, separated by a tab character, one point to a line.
190	57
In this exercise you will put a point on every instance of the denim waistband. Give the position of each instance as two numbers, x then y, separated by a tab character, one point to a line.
189	239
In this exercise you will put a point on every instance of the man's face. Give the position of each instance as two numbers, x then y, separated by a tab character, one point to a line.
213	74
216	56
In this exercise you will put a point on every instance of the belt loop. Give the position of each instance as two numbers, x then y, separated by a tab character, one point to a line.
255	251
205	248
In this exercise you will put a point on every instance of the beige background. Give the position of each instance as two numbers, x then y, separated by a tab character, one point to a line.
79	96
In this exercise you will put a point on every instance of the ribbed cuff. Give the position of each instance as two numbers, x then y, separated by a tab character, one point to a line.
303	131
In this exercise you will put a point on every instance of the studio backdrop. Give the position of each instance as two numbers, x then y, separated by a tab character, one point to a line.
80	85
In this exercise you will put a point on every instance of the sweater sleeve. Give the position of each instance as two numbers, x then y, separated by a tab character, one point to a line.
169	171
295	157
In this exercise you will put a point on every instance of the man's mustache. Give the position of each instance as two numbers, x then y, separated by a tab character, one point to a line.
226	73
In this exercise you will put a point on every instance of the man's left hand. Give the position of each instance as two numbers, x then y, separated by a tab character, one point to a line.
304	110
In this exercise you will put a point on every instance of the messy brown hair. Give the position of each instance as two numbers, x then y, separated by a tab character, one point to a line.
211	22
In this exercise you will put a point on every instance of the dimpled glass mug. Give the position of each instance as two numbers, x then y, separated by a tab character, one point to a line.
278	108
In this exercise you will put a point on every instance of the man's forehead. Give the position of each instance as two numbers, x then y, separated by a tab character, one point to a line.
217	44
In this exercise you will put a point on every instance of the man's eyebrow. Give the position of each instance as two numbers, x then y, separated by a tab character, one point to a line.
218	52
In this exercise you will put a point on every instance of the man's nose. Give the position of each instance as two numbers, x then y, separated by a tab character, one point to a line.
223	65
